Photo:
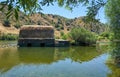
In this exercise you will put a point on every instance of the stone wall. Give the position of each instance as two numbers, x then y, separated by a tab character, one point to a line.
36	43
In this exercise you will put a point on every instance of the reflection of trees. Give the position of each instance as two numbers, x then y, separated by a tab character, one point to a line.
10	57
115	71
114	62
84	54
61	53
79	54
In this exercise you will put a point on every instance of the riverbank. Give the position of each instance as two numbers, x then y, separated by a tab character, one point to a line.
7	44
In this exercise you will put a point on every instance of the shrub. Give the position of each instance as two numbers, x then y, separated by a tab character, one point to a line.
106	35
9	37
17	26
6	23
63	35
82	36
56	25
38	23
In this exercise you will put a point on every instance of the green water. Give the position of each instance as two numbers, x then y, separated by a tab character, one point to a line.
56	62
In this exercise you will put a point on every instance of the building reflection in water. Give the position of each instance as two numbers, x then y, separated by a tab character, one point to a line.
11	57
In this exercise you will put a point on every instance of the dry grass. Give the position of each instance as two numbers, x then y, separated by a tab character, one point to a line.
36	27
6	30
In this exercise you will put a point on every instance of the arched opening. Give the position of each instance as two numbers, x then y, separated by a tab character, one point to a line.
29	45
42	44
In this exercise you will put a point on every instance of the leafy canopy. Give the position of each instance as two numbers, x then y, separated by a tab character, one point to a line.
31	6
113	13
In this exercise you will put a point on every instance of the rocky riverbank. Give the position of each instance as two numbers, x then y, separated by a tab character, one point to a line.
7	44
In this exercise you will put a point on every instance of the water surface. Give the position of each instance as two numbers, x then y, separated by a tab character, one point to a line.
54	62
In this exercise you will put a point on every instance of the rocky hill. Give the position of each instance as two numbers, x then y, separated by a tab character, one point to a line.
61	24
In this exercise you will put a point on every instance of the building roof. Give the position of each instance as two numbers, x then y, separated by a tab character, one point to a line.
32	27
36	31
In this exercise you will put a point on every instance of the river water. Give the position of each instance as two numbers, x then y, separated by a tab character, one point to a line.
56	62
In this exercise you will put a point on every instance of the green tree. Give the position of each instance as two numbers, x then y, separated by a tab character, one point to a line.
82	36
30	6
113	13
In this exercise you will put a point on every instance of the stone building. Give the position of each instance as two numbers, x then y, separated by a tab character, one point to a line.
36	36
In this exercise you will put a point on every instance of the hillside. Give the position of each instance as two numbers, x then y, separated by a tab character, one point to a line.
61	24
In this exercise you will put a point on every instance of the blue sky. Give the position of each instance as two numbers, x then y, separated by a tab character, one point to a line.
77	12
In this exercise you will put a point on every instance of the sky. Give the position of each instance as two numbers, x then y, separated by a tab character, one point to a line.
77	12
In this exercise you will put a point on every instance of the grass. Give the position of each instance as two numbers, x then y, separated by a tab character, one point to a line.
8	37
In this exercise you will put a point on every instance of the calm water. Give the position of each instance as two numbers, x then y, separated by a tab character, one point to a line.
56	62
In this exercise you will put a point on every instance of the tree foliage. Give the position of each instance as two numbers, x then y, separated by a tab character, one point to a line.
30	6
81	35
113	13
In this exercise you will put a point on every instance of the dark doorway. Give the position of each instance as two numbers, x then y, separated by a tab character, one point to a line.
42	44
29	45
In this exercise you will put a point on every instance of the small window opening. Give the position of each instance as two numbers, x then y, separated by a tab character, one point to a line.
42	44
29	45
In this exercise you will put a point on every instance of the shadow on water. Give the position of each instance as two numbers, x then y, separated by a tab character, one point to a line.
52	61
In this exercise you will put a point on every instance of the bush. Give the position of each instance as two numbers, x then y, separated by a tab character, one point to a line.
8	37
63	35
6	23
82	36
106	35
17	26
38	23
